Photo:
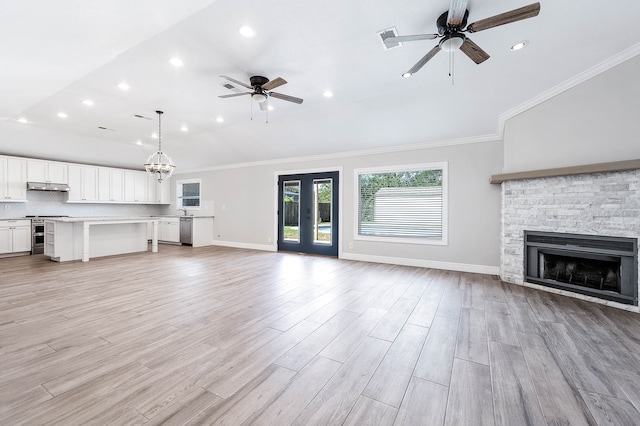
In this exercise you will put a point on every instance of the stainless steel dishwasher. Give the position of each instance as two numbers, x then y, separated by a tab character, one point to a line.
186	230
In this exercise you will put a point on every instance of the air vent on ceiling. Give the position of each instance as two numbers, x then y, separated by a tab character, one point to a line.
232	87
385	34
142	116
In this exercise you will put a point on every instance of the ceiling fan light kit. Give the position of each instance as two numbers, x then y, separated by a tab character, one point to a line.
453	23
159	164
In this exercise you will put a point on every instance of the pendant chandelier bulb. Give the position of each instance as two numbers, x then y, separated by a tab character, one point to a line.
159	164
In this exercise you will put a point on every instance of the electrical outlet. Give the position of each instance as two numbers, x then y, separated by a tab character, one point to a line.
350	245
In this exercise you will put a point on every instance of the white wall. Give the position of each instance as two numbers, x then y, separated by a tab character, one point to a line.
245	209
594	122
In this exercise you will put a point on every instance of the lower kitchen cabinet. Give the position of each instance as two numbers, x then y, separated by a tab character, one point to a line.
15	236
169	230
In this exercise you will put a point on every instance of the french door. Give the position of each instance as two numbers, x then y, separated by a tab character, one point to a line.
308	213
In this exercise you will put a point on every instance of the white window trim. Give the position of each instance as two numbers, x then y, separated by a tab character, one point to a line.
179	184
444	166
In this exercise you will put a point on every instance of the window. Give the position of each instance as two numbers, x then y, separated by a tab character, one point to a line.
188	194
402	204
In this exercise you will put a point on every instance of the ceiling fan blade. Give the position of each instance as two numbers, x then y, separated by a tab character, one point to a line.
264	105
474	52
430	54
233	95
236	82
457	9
274	83
286	97
505	18
416	37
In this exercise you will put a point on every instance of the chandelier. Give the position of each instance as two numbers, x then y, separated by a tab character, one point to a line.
159	164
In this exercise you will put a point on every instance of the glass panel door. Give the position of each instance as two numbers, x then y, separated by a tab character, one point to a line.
308	213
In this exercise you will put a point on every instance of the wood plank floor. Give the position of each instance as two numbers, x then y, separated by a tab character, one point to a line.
225	336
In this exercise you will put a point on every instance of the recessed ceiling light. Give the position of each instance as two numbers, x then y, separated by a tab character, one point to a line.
123	86
270	107
406	74
22	120
62	114
519	45
247	31
88	102
138	142
184	128
220	119
327	93
176	62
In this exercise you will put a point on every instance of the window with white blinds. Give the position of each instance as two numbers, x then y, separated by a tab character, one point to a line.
403	204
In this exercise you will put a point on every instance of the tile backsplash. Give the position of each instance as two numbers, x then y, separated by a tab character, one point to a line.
55	203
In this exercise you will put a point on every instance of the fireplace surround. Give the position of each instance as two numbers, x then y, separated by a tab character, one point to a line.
599	203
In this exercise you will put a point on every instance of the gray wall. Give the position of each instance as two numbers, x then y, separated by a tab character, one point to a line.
243	201
594	122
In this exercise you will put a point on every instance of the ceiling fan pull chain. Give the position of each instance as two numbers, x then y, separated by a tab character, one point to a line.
267	115
251	109
451	66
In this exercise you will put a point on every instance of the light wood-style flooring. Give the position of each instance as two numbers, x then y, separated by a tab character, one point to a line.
233	337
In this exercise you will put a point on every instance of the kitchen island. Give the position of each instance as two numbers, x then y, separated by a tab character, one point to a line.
82	238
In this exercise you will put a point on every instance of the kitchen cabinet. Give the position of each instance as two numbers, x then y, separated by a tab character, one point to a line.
46	171
15	236
13	179
169	229
110	184
83	181
163	190
135	187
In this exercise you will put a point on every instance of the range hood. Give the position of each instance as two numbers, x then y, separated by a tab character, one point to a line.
48	186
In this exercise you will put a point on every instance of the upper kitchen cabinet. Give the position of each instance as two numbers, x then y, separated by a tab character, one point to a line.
159	192
47	171
111	185
135	187
13	179
83	183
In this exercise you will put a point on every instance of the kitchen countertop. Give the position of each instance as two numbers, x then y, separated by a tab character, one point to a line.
104	219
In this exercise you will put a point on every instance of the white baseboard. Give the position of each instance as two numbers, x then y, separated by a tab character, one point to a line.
423	263
263	247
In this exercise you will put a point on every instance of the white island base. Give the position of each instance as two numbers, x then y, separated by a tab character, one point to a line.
84	238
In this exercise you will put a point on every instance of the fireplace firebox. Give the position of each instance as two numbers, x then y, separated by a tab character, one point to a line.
594	265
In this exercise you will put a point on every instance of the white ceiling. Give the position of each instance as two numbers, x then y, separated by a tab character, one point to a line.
54	54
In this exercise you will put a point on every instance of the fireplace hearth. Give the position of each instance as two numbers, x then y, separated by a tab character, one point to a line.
599	266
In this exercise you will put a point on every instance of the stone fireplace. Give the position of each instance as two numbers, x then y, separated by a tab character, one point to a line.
601	204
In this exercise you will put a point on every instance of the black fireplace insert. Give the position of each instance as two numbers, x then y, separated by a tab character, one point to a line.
594	265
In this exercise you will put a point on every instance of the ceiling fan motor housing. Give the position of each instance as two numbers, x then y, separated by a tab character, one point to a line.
258	80
444	28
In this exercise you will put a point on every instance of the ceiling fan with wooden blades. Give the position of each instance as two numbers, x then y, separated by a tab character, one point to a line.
261	90
451	28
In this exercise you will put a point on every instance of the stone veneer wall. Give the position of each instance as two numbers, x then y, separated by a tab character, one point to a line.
594	204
